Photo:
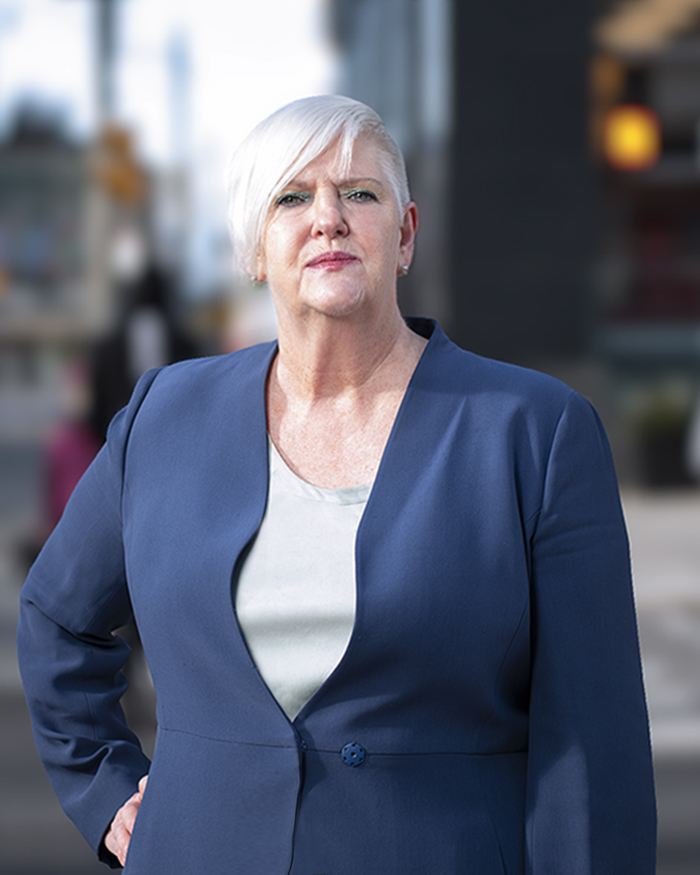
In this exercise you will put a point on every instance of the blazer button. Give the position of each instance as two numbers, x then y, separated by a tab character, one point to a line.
353	754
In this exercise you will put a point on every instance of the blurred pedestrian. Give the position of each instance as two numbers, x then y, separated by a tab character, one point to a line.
69	448
146	335
382	583
71	445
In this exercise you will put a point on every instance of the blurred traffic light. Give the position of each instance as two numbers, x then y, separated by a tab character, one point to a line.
631	138
116	168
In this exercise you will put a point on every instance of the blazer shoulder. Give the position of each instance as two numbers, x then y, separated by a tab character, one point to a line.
192	400
201	384
192	373
493	382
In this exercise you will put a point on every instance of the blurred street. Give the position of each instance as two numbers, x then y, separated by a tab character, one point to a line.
555	157
37	839
663	530
35	836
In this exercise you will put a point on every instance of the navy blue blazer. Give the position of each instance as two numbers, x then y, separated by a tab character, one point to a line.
488	716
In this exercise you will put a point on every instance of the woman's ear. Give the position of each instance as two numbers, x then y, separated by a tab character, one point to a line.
260	274
409	226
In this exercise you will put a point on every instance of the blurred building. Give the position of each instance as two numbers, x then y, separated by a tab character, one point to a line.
535	246
647	56
396	57
75	239
488	103
46	305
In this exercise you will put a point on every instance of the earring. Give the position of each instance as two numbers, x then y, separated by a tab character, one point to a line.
404	269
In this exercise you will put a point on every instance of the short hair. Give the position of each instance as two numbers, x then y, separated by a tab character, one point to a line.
282	145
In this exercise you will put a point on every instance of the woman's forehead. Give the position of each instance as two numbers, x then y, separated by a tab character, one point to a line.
362	162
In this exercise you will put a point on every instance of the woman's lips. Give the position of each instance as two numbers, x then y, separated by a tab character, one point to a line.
332	260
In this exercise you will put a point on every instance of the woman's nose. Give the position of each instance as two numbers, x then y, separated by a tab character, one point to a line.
329	220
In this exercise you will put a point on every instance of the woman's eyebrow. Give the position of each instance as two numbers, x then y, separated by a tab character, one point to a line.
301	184
295	183
356	180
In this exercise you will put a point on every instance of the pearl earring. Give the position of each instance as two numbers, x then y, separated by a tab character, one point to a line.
404	269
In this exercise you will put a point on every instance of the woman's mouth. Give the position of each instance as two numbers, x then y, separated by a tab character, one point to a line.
332	260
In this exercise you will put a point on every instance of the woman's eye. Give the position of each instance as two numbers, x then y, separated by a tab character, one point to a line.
291	199
361	195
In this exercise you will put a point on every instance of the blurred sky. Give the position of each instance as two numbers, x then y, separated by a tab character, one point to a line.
244	59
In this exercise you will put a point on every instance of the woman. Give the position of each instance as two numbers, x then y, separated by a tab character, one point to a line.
382	583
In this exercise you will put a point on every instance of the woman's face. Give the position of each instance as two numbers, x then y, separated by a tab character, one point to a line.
334	243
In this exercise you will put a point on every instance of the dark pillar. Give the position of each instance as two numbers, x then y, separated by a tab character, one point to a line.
522	211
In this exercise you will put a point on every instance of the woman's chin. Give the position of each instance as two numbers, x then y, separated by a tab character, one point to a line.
338	303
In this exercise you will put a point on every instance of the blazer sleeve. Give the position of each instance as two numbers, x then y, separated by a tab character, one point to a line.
72	601
590	795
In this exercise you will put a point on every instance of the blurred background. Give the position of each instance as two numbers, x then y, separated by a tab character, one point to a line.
554	151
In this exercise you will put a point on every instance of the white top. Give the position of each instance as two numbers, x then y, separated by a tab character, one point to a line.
295	598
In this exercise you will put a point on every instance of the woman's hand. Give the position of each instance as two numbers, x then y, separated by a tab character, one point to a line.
119	834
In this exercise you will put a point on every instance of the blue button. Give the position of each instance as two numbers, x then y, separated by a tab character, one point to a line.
353	754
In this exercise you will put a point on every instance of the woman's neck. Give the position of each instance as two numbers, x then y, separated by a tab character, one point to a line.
326	357
332	398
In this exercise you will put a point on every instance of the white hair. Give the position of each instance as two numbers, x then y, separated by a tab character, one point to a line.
282	145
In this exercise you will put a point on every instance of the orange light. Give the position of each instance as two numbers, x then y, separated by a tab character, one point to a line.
631	138
115	167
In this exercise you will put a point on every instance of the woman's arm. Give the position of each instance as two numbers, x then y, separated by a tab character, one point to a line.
591	808
73	600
